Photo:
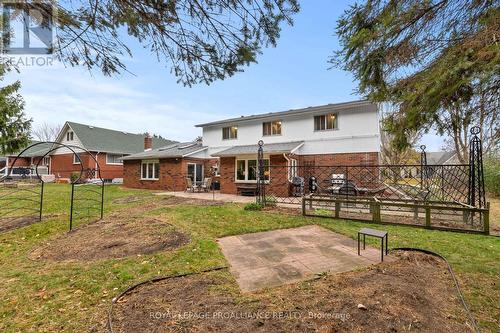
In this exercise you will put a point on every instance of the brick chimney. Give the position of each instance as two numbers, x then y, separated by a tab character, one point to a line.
148	142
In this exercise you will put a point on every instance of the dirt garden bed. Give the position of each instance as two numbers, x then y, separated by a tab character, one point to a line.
112	239
11	223
414	293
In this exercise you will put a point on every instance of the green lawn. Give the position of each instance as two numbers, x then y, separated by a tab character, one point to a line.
43	296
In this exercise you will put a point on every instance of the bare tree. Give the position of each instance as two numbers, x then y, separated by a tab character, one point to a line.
459	118
46	132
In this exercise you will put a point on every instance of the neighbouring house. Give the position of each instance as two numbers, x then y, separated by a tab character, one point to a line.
433	158
107	146
26	163
333	134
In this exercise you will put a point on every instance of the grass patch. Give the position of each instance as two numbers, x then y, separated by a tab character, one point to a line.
47	296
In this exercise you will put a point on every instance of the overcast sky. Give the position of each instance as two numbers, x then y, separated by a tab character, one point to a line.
295	74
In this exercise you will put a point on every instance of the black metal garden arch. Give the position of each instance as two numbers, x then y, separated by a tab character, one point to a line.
22	195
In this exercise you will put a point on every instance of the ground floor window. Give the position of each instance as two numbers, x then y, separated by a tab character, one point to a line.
114	158
150	170
195	172
77	158
247	170
292	169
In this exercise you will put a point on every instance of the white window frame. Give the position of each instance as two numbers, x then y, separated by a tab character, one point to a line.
113	163
335	124
195	171
76	161
46	160
229	137
246	180
292	168
145	164
70	136
272	127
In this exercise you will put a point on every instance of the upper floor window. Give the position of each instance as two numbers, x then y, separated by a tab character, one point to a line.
230	132
325	122
271	128
69	136
114	158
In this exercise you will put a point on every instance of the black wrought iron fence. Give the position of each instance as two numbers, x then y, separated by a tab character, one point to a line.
22	188
444	183
86	202
444	196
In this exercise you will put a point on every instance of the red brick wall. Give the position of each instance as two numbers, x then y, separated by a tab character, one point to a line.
62	165
279	184
108	171
173	173
20	162
227	170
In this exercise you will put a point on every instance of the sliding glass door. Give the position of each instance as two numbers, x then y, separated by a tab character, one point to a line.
195	172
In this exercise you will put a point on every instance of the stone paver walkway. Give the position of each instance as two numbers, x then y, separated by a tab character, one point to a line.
217	196
273	258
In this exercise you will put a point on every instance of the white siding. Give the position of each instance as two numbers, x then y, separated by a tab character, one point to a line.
358	131
74	142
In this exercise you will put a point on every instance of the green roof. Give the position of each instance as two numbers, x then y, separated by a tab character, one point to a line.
39	150
111	141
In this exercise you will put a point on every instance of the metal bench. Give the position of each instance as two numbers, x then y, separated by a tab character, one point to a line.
375	233
247	189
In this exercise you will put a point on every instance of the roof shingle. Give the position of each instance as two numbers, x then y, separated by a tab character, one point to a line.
179	149
112	141
277	148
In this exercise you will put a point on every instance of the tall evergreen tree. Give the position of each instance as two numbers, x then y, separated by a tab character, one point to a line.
14	126
425	56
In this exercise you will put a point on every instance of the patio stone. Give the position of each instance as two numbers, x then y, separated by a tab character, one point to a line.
272	258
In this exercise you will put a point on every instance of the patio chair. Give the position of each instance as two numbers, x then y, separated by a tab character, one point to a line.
207	184
190	186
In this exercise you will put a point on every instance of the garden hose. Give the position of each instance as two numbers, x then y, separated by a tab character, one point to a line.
457	286
157	279
153	280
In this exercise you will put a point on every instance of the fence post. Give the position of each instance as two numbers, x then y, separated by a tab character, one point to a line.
376	212
486	219
41	202
102	199
303	206
423	166
427	217
337	209
71	208
476	176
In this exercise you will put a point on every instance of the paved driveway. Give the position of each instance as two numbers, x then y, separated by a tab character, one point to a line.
273	258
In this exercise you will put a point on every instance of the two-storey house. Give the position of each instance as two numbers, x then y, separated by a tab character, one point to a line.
333	134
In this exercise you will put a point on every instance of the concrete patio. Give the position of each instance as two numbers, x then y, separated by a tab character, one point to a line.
210	196
273	258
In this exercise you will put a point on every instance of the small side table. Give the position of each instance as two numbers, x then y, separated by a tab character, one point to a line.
374	233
